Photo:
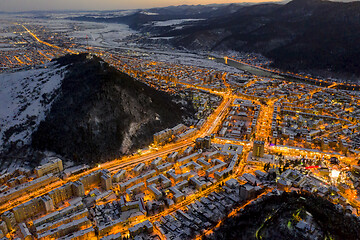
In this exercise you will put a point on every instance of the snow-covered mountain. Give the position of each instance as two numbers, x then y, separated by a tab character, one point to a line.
82	109
25	98
101	113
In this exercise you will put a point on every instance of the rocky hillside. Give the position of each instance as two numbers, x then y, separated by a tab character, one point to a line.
101	113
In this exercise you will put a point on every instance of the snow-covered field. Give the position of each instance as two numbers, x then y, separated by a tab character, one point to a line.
191	59
101	35
91	33
25	97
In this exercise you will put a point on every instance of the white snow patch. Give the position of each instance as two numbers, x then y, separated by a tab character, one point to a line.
161	38
101	35
22	101
174	22
149	13
178	27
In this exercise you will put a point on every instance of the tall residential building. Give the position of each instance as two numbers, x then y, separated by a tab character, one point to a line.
33	207
3	227
91	179
78	189
25	232
258	149
66	229
203	143
9	218
106	182
62	193
53	166
28	209
48	203
162	136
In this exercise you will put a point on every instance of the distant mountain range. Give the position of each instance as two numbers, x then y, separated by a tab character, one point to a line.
141	18
299	35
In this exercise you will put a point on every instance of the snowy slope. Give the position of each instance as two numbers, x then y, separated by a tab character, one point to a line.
174	22
25	97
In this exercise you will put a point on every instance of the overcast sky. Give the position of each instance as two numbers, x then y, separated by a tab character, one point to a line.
26	5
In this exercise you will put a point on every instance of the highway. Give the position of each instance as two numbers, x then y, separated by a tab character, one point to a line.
46	43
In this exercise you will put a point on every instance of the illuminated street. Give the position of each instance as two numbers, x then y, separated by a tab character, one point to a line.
252	136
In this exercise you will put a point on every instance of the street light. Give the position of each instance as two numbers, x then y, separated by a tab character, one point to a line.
334	175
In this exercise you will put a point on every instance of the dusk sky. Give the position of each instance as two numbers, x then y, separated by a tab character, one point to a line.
25	5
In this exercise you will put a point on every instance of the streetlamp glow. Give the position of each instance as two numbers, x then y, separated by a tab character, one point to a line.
334	174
